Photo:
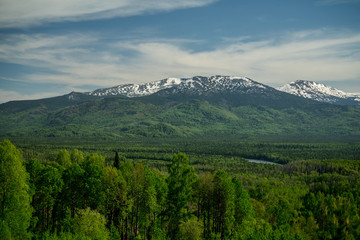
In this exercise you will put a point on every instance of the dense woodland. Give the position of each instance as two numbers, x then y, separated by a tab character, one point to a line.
152	193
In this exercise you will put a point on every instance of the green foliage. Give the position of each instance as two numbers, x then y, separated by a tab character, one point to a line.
117	160
224	204
94	159
15	209
206	194
63	158
48	184
190	229
180	184
115	190
62	236
205	190
76	156
93	189
72	193
158	234
244	210
90	223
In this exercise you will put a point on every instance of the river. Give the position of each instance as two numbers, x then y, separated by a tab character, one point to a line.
262	162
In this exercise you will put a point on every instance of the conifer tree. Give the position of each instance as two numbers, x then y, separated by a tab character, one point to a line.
117	160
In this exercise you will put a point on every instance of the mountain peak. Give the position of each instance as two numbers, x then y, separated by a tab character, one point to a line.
320	92
196	85
200	85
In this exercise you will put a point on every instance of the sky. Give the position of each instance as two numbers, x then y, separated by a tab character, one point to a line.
50	48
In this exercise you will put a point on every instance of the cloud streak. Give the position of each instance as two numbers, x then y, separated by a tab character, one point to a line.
6	96
78	59
18	13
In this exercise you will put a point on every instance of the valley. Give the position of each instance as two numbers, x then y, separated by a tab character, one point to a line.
175	160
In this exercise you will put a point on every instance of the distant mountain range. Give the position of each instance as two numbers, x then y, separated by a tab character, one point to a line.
204	85
184	107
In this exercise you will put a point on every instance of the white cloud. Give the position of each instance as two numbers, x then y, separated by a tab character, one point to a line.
6	96
76	60
19	13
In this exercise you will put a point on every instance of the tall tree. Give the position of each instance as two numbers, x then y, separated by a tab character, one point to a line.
115	190
205	190
76	156
224	208
72	193
243	207
148	203
244	211
137	185
117	160
48	185
15	209
180	182
93	194
63	158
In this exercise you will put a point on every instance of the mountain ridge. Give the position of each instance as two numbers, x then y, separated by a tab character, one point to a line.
196	85
195	107
201	85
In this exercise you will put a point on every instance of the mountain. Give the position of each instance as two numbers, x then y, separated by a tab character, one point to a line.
217	84
137	90
217	106
197	85
320	92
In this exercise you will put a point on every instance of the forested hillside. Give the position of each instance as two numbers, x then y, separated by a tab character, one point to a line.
72	195
176	115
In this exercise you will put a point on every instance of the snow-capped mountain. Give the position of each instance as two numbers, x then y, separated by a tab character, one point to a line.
215	84
137	90
197	85
320	92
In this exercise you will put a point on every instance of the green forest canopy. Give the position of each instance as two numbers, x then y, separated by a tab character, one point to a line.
86	197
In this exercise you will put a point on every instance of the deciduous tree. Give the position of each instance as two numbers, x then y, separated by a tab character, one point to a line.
180	182
15	209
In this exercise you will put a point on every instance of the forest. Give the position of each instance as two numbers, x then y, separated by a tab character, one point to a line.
154	191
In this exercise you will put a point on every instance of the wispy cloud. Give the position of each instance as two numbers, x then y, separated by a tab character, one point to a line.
15	13
76	59
6	96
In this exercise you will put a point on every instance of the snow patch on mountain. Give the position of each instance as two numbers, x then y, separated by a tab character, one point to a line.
137	90
206	85
197	85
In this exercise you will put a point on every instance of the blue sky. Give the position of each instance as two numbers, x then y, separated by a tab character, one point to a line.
50	48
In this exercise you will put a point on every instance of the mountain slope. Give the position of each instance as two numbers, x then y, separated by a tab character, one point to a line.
117	117
196	107
320	92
